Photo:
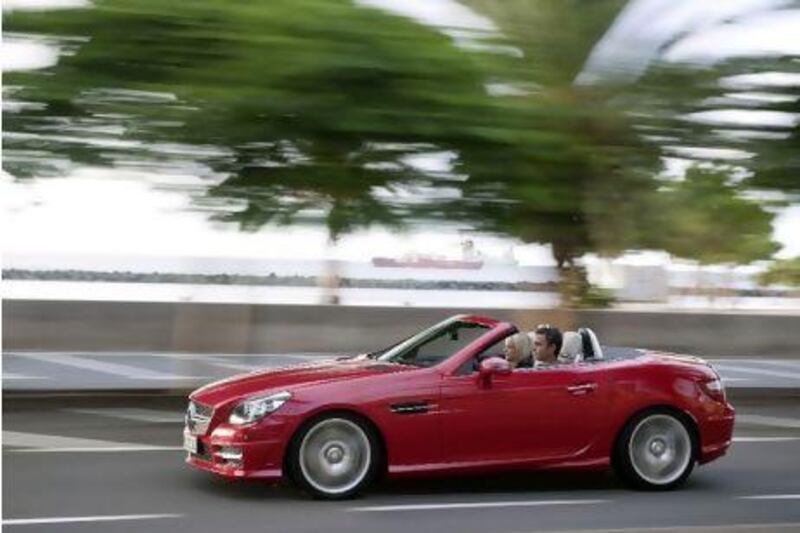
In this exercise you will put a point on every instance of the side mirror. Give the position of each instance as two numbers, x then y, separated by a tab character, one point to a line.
492	366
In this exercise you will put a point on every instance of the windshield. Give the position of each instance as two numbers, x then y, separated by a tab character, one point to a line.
435	344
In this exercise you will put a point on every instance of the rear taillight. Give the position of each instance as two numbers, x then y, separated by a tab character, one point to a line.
714	388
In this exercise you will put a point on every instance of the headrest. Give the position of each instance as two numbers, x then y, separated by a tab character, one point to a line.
571	348
590	345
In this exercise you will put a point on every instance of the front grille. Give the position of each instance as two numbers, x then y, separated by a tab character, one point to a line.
198	416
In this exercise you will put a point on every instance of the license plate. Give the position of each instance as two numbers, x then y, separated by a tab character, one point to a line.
190	443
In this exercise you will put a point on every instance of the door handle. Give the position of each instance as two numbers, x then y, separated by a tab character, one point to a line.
583	388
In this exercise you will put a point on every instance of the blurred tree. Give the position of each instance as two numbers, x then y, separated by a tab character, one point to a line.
321	107
704	218
326	110
782	272
308	106
555	37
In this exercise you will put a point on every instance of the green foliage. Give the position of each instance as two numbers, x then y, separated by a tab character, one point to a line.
703	217
782	272
554	36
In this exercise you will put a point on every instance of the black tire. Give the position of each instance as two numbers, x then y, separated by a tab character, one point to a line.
657	450
334	456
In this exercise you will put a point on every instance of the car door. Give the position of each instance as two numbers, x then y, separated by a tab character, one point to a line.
529	415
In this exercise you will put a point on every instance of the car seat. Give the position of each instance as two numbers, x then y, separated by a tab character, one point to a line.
571	348
590	345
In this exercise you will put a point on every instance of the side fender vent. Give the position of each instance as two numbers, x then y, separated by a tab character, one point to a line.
410	408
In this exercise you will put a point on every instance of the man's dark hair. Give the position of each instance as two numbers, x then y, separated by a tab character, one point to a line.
552	334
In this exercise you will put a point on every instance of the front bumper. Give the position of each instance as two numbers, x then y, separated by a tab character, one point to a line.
261	458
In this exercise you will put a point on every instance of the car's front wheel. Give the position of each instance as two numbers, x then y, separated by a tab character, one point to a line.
334	457
656	451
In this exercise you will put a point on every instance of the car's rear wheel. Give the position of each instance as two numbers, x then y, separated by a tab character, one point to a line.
656	451
334	457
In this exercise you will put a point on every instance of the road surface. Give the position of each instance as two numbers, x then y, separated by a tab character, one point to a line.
113	464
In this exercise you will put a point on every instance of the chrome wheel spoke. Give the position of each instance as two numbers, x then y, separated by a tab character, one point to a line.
335	455
660	449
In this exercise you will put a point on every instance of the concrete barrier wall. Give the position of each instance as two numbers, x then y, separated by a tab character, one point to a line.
236	328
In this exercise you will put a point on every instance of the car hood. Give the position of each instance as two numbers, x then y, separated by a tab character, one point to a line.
290	378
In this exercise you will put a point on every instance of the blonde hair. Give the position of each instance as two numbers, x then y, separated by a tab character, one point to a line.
522	343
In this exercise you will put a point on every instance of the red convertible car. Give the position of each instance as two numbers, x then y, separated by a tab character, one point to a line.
445	401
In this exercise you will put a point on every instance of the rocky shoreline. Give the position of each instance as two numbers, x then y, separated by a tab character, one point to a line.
268	280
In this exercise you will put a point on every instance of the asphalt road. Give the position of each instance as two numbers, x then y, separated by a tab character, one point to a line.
102	464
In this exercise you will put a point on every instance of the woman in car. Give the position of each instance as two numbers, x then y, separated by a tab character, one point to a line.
518	351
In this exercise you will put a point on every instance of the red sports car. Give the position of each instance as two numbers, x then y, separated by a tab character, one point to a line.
445	401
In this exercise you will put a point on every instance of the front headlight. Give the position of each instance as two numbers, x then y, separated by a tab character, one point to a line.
254	409
715	389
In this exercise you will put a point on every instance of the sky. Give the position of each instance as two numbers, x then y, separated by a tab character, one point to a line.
120	212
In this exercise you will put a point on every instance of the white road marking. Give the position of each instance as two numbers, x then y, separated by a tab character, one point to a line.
272	361
772	421
736	359
143	448
476	505
757	371
792	365
103	367
764	439
68	519
11	375
54	442
227	364
685	529
153	416
771	497
304	356
171	377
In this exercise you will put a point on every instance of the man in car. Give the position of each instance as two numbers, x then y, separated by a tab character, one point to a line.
547	341
518	351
